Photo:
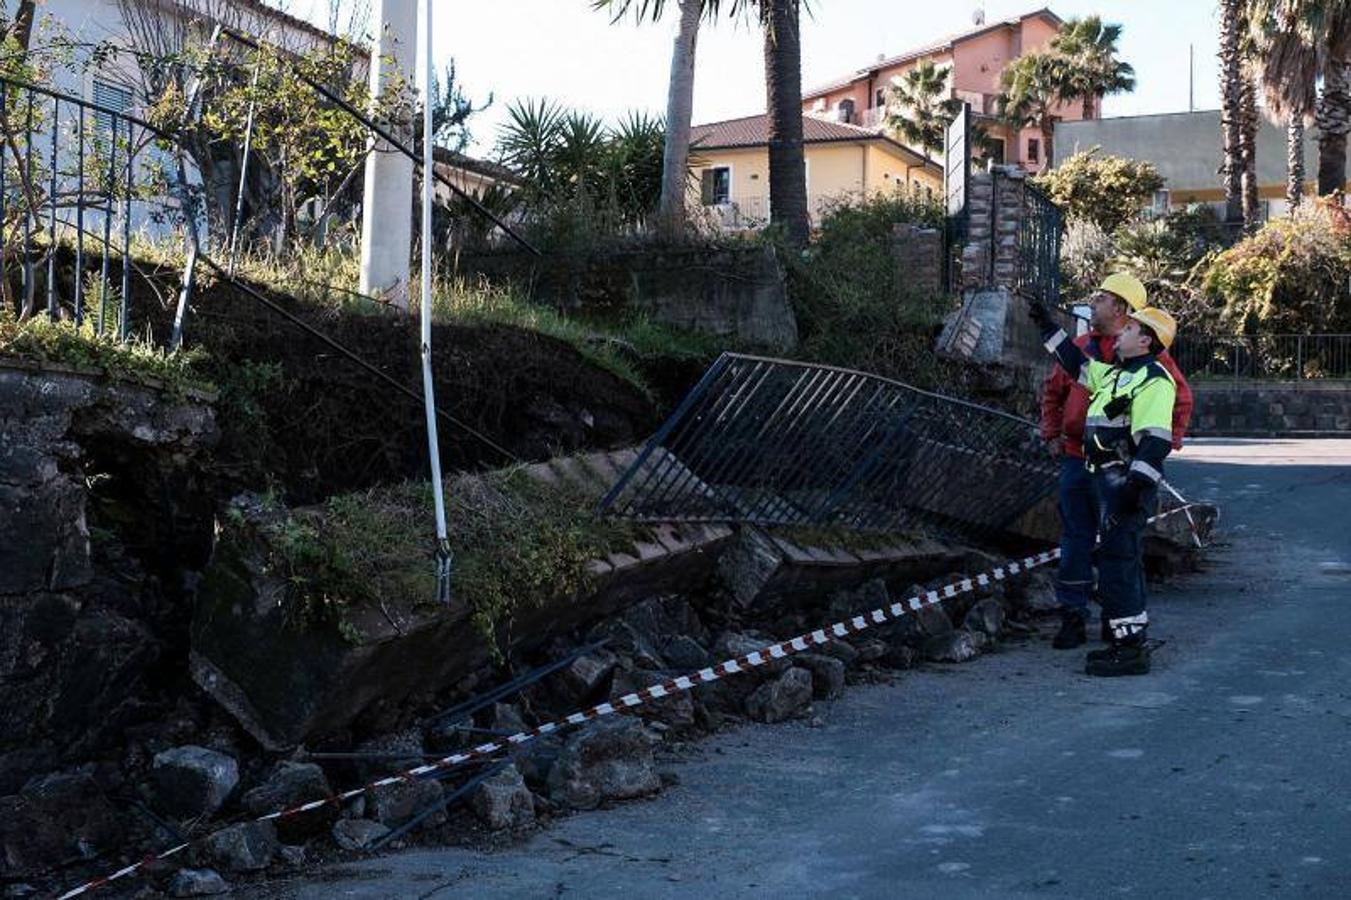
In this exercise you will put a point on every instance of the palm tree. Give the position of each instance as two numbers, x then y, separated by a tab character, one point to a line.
780	22
779	19
1287	67
923	107
1231	100
1030	89
1329	25
679	101
1324	25
1091	70
1248	124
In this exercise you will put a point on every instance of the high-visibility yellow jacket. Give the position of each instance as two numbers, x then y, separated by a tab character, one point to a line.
1130	413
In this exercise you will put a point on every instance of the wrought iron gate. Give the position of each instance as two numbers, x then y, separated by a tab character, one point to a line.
1038	270
74	176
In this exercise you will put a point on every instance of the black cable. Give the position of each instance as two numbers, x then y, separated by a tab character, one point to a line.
474	704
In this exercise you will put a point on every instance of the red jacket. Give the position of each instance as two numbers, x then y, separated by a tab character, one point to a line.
1064	402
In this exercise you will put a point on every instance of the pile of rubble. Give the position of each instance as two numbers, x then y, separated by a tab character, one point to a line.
167	792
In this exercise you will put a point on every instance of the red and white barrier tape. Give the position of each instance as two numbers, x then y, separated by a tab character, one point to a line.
752	660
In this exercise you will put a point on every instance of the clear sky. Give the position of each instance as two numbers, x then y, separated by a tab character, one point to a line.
563	50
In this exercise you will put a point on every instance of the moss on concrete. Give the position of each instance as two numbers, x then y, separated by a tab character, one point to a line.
516	541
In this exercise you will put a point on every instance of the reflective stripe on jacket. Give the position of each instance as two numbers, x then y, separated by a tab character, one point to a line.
1064	402
1130	415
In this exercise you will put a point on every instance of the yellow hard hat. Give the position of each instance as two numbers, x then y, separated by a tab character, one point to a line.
1127	287
1161	323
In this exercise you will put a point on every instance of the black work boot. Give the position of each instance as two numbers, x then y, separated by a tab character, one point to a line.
1072	632
1119	658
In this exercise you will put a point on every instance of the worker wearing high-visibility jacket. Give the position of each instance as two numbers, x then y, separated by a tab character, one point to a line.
1064	409
1127	434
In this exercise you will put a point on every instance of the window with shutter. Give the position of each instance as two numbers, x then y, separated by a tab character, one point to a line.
110	96
715	186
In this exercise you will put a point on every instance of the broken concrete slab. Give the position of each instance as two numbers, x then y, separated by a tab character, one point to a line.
827	674
953	647
287	685
357	834
246	847
395	804
287	785
783	698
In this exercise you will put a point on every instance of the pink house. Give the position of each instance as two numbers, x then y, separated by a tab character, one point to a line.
977	57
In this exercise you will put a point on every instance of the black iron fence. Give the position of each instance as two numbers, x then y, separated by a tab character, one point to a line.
775	442
74	178
1037	274
1273	357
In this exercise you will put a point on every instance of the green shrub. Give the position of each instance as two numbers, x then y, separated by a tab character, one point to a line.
1291	276
1106	190
852	303
1169	256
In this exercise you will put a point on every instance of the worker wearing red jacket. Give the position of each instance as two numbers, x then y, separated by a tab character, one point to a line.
1064	408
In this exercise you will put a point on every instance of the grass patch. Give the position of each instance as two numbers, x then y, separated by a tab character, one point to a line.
329	279
517	543
616	347
41	340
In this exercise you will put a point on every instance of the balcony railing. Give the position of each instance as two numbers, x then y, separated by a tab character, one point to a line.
871	118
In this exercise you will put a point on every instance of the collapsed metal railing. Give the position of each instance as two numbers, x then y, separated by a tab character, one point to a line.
777	442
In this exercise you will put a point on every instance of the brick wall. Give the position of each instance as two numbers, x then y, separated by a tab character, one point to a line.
918	255
1309	407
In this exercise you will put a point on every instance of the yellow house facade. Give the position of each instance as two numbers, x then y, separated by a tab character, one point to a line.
731	165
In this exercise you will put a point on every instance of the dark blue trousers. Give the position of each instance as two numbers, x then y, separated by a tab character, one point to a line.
1121	578
1080	513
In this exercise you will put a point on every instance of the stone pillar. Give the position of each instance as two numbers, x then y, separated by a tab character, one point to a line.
992	325
387	204
995	211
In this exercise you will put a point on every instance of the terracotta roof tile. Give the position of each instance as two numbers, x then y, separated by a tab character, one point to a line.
752	131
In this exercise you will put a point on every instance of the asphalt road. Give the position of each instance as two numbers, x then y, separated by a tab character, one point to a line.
1223	774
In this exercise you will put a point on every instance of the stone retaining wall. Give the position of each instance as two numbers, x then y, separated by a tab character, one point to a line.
101	510
728	292
1271	408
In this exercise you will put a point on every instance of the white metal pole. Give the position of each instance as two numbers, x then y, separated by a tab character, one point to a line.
443	557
